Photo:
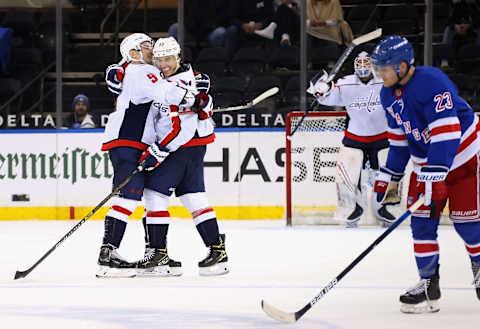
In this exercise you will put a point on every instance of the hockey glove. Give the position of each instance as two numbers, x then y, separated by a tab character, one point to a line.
385	193
152	157
202	82
114	77
201	106
435	186
319	87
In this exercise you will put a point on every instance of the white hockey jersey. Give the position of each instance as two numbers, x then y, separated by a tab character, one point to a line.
132	123
368	122
185	129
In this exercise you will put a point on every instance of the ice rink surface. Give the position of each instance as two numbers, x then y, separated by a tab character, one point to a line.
285	266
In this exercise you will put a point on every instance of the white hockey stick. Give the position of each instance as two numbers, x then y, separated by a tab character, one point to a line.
260	98
291	317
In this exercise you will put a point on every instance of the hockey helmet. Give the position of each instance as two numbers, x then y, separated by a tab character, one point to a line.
133	41
166	47
392	51
363	65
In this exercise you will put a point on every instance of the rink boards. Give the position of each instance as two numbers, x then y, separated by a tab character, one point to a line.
46	174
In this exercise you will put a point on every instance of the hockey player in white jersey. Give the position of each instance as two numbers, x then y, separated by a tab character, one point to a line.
365	138
184	136
128	134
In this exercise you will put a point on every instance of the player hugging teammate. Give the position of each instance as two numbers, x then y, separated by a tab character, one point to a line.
161	123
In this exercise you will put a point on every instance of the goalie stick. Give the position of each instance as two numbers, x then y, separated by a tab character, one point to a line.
22	274
338	65
260	98
280	315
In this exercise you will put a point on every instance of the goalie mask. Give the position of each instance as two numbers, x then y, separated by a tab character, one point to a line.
363	65
135	41
166	55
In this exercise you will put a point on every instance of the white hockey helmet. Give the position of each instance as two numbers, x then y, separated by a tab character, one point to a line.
133	41
363	65
166	47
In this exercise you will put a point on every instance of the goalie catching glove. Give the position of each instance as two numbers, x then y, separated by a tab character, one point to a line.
319	87
385	193
152	157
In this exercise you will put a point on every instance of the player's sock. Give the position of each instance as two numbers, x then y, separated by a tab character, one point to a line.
209	232
114	231
157	235
423	297
216	261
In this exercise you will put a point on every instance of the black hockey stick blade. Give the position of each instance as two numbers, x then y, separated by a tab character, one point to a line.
22	274
287	317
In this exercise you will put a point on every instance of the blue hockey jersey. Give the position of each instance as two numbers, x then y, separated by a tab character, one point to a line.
429	122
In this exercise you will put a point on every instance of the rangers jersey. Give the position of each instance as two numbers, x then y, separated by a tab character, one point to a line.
367	121
429	122
186	129
131	124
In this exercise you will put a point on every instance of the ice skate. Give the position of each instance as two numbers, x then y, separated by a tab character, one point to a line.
112	265
353	219
422	298
385	217
156	263
216	261
476	278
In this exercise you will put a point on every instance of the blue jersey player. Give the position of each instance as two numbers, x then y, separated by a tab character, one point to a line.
429	123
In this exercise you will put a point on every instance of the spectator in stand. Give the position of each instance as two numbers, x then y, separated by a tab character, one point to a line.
463	25
80	117
247	17
205	20
325	21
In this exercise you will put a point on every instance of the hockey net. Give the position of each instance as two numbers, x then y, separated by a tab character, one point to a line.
311	158
310	166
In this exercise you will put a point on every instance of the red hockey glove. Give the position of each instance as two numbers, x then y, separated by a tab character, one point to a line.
435	186
200	106
152	157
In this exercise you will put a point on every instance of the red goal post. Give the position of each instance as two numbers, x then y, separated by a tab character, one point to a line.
310	165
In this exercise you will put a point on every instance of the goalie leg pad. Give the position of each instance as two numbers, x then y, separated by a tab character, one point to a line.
349	166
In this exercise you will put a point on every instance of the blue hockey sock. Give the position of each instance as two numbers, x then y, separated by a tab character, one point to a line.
209	232
157	235
114	231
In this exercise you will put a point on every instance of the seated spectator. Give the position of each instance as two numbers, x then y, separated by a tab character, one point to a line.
247	16
205	20
80	117
463	25
325	21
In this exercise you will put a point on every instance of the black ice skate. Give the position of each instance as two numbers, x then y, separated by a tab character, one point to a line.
423	298
112	265
354	217
386	218
216	261
476	278
157	263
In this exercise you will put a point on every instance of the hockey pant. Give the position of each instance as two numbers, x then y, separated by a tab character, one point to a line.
463	199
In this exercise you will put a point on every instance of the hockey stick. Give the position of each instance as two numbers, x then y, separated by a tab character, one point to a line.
22	274
280	315
338	65
260	98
